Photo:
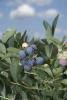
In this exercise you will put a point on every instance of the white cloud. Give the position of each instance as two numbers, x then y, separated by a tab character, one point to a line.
61	30
58	30
23	10
50	13
40	2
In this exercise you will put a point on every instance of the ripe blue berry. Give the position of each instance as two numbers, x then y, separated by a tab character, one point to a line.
30	63
23	62
27	67
34	61
39	60
22	54
30	51
34	46
27	64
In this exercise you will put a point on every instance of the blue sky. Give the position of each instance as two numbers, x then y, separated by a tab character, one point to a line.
29	14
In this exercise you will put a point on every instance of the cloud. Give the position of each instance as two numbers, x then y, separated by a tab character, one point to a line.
61	30
36	2
50	13
40	2
23	10
58	30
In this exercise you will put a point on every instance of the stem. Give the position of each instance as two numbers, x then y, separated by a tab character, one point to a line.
4	98
4	64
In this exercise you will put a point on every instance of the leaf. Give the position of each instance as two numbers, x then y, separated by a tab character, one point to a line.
57	71
2	48
23	37
43	71
54	24
24	96
8	34
2	88
46	25
48	50
54	40
48	70
15	69
65	72
1	55
64	81
10	42
3	92
12	50
3	66
10	97
49	35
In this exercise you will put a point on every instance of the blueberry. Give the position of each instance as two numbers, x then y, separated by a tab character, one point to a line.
63	62
34	61
30	51
27	67
34	46
22	54
39	60
23	62
27	64
30	62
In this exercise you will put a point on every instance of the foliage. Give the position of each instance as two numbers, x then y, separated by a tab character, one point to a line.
43	82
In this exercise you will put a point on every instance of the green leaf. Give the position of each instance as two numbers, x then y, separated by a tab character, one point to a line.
12	50
18	36
57	71
65	72
64	81
54	24
2	48
15	69
46	25
10	42
24	96
10	97
3	92
1	55
48	70
8	34
49	35
23	37
48	50
3	66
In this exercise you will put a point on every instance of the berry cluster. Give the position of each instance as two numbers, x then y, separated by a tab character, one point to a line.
27	58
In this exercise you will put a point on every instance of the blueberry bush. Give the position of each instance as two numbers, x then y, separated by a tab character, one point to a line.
33	69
